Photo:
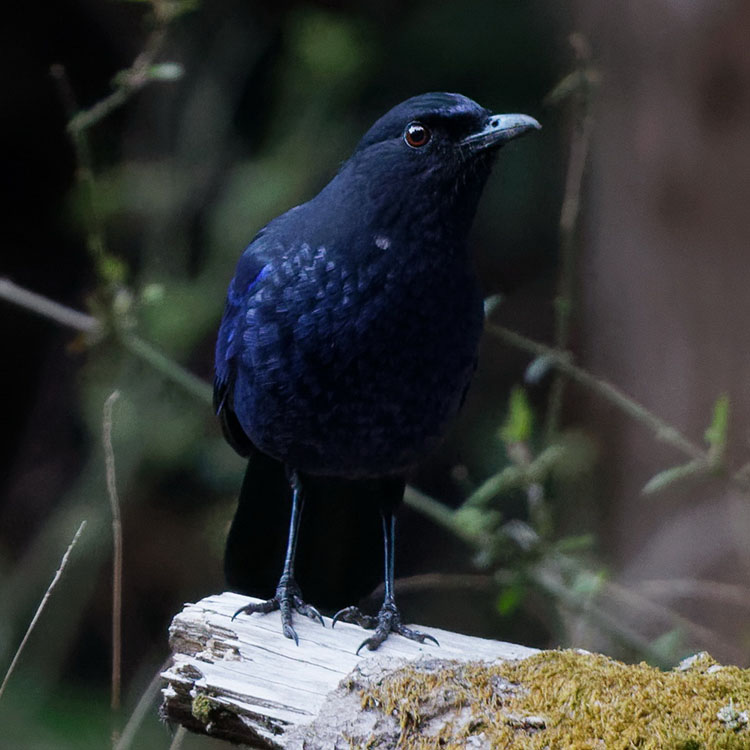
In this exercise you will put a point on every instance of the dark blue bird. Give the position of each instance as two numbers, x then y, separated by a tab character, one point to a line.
352	323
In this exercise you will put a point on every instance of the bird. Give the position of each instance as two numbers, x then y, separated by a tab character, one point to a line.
350	332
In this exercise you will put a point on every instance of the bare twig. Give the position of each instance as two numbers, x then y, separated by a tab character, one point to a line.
95	236
67	316
667	433
705	637
569	214
444	581
547	580
640	605
687	588
516	475
562	361
167	367
436	511
142	709
178	738
48	308
40	608
128	82
114	503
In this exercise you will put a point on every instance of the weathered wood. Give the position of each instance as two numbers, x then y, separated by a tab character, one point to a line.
241	680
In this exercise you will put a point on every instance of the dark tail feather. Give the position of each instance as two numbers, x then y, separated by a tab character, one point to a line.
340	550
257	538
340	554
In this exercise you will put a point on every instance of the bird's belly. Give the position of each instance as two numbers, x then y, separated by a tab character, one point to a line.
368	398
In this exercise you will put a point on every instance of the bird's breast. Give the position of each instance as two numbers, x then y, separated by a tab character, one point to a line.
352	364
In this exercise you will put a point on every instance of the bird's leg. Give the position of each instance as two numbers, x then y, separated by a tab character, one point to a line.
288	597
388	619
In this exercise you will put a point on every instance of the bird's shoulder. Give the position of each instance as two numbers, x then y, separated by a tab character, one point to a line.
277	254
265	249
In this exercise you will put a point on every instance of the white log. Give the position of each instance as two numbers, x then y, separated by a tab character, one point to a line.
241	680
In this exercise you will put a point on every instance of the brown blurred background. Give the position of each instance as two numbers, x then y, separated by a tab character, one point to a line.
663	280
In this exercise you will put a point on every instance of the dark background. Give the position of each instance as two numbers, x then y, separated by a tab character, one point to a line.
273	97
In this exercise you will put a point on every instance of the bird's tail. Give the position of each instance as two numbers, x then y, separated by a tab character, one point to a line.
340	548
257	537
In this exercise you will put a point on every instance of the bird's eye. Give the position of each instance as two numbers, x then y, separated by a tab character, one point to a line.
416	135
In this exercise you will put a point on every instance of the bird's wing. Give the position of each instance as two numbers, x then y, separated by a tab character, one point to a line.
276	265
251	267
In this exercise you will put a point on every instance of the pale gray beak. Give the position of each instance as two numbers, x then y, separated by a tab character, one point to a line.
500	129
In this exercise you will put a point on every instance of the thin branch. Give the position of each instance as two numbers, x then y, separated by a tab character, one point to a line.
516	475
48	308
114	503
549	583
639	604
85	176
568	228
128	82
706	637
167	367
547	579
179	737
40	608
687	588
433	509
79	321
562	361
445	581
662	430
142	709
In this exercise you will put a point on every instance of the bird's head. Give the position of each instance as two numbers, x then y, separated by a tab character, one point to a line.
436	150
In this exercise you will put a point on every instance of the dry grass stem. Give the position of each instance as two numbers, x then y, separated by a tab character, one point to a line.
114	502
41	607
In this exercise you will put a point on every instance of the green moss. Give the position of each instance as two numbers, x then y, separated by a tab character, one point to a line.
202	707
568	700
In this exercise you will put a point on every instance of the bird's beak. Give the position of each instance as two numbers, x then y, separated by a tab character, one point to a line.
498	130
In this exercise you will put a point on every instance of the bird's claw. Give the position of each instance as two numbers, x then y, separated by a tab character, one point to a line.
387	621
356	616
287	599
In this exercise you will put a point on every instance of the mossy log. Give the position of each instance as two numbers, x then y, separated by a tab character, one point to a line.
242	681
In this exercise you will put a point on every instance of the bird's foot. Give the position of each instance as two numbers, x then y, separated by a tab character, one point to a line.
287	599
387	621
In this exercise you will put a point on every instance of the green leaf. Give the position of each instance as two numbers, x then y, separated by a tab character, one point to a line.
674	474
510	599
520	420
716	434
572	544
112	269
588	583
474	522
